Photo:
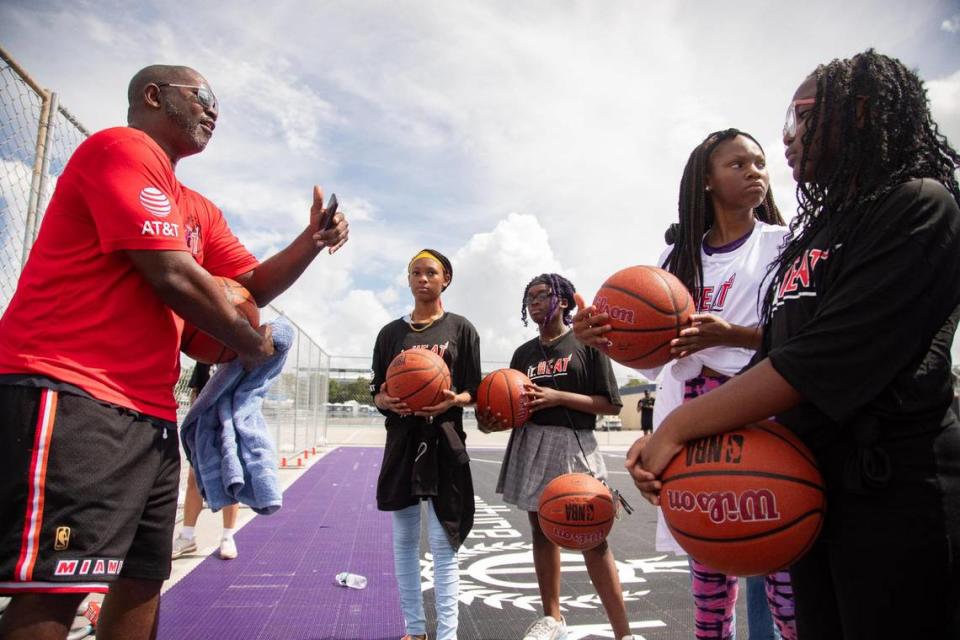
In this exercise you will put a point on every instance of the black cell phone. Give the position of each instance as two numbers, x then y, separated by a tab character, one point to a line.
331	209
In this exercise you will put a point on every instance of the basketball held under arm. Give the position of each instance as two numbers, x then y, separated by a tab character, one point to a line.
755	395
194	295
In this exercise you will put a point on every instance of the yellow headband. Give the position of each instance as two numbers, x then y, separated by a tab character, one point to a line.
425	254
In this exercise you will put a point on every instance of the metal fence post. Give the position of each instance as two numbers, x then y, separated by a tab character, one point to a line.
41	163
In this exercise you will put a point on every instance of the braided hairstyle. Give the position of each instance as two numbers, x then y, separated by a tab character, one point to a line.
697	213
872	118
560	287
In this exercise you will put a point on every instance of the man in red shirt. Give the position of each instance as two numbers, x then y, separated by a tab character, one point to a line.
89	355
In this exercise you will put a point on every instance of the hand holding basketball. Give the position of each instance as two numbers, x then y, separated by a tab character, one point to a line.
541	397
385	401
252	361
645	481
489	421
589	326
707	330
448	400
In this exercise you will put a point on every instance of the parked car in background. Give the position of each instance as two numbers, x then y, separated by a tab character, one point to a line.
610	423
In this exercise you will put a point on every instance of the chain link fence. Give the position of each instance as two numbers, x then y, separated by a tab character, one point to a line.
37	137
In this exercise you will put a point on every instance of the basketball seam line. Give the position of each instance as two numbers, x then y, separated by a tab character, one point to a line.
752	536
804	454
755	474
422	387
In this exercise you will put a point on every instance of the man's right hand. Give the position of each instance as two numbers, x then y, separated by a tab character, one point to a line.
264	350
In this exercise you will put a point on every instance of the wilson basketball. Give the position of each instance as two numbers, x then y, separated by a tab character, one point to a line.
203	347
748	502
576	511
502	392
418	377
647	307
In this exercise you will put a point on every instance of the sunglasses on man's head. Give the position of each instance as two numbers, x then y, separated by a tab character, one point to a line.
204	96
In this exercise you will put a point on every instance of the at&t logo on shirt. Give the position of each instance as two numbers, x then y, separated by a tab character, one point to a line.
157	228
155	201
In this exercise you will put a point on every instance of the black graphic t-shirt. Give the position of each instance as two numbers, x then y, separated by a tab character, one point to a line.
866	328
567	365
452	337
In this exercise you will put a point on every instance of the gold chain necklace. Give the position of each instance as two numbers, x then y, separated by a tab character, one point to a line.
552	341
428	325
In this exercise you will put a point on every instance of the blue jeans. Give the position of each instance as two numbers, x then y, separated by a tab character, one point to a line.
446	579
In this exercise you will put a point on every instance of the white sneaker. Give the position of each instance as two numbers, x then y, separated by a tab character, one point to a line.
182	546
228	549
546	628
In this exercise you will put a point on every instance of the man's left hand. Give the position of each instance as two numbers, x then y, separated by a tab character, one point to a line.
337	234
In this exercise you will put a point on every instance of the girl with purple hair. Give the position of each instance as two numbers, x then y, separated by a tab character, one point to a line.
572	385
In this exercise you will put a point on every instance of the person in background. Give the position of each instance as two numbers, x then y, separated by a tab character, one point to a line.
185	543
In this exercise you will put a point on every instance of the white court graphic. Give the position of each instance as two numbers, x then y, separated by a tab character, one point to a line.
155	201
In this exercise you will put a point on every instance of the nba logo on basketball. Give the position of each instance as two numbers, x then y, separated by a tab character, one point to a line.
62	539
712	449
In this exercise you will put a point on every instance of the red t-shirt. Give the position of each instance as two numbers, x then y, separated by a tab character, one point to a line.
82	313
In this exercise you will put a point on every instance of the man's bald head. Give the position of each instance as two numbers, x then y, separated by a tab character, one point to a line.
154	74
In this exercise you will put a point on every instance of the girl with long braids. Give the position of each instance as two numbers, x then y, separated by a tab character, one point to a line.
729	231
572	385
425	458
855	357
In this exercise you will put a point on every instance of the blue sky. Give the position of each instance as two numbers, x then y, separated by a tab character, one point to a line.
516	137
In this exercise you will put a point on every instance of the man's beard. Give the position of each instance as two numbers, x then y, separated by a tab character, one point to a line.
187	124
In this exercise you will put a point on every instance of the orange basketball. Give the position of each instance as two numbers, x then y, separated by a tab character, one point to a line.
203	347
418	377
502	392
746	503
576	511
647	307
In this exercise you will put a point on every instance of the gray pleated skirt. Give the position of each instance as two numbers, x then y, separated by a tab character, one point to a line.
537	454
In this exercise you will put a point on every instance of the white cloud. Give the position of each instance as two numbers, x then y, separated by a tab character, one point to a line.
944	94
490	272
952	24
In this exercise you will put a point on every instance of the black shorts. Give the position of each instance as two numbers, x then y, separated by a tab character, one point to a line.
89	493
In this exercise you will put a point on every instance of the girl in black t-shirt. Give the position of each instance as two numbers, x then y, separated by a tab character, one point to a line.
572	385
425	458
856	355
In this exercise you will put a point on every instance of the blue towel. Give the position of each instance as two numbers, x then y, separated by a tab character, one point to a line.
225	436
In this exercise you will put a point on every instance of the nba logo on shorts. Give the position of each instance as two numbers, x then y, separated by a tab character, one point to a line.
62	540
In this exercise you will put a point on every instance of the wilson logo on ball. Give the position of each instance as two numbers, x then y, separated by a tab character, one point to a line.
727	506
621	314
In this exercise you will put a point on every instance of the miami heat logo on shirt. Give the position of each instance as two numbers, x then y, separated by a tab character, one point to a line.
438	349
155	201
712	299
798	280
549	368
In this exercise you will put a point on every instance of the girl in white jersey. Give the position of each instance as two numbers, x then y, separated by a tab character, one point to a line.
729	231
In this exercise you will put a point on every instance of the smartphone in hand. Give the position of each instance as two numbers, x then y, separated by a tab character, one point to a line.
326	221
